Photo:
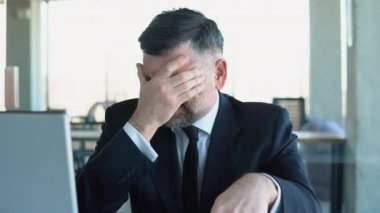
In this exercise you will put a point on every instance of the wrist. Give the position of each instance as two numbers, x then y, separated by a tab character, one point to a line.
272	192
267	187
145	129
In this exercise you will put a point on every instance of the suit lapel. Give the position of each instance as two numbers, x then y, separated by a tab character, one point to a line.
165	170
222	155
221	160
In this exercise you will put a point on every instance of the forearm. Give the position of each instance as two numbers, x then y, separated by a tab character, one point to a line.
107	178
297	196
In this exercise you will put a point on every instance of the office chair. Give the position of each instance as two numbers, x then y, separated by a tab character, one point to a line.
296	110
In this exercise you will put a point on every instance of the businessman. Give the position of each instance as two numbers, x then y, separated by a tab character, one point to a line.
185	147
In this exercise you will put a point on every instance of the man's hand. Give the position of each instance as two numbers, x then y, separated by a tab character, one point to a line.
162	95
253	193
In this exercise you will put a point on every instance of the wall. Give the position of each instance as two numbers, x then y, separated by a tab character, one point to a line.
2	51
23	50
363	124
325	60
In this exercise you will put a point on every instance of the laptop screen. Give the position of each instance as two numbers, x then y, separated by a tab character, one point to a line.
36	163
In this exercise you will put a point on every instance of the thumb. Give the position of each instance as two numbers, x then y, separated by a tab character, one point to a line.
140	74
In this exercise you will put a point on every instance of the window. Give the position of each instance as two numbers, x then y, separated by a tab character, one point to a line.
92	48
2	51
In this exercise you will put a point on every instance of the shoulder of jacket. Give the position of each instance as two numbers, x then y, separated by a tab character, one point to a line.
123	106
253	107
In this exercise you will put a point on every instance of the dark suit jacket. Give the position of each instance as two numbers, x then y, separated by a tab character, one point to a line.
246	137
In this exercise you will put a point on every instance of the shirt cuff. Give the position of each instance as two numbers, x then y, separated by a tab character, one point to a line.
140	142
276	204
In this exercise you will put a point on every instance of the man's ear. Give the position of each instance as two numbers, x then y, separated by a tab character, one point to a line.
220	73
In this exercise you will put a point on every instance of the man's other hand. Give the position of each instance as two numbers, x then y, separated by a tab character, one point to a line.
253	193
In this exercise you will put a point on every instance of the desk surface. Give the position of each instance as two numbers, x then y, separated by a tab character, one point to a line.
317	137
303	136
85	134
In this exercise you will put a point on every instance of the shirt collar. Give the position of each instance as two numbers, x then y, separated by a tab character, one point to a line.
207	122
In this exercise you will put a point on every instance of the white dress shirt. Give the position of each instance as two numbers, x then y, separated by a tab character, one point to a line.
204	125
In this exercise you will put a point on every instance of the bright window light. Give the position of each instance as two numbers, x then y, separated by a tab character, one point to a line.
2	52
93	48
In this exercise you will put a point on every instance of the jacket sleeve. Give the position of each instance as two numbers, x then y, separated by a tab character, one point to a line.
287	168
104	182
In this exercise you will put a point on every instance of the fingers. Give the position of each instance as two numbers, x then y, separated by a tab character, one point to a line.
188	85
168	70
185	76
140	74
189	94
181	86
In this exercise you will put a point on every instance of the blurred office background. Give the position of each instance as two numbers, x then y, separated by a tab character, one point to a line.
317	58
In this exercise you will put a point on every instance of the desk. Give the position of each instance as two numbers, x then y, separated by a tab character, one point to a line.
85	134
303	136
337	164
83	143
87	141
313	137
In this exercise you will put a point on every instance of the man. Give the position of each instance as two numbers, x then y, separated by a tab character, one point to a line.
185	147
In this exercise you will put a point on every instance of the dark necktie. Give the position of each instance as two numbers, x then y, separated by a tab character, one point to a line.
190	172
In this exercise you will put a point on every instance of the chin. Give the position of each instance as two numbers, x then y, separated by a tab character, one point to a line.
183	117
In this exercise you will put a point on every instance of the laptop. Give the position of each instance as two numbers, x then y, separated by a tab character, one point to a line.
36	163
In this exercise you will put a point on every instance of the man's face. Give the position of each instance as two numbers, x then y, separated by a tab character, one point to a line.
198	106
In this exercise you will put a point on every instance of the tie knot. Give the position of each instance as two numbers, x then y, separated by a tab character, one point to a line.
192	133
